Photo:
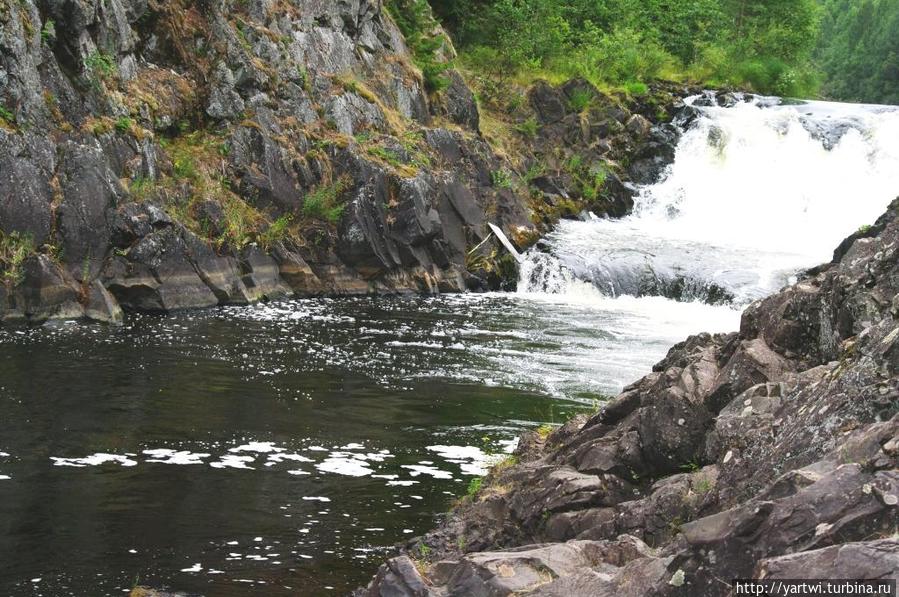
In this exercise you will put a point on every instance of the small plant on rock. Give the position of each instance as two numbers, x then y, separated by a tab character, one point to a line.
474	486
528	128
124	125
7	116
15	247
277	232
501	179
322	203
100	65
580	100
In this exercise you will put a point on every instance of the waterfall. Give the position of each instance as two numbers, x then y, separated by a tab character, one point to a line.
756	193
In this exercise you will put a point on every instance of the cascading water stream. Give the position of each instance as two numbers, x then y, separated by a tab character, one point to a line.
757	192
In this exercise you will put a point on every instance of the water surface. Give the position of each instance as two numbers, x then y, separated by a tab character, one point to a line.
281	448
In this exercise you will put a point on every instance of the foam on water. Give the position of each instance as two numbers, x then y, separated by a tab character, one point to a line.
756	192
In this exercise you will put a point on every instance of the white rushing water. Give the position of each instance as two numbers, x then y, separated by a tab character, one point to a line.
756	193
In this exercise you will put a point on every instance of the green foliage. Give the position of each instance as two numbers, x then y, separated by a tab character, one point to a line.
859	50
580	100
124	125
48	31
277	232
765	44
7	116
528	128
184	167
429	49
690	467
15	247
703	485
323	202
100	65
474	486
501	178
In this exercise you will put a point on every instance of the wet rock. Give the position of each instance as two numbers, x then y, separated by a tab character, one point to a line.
398	577
772	452
25	199
90	189
863	560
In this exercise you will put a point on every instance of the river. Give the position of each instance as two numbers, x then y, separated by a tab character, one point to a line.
281	449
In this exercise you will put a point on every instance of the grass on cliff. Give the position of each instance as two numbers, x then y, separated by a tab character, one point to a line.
323	202
15	248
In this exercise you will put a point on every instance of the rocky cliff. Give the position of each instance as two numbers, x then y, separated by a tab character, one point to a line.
768	453
164	155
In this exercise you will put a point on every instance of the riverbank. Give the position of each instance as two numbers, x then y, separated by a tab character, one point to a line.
768	453
169	156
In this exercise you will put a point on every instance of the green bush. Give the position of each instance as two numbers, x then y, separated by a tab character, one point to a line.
501	178
765	44
415	20
276	232
528	128
100	64
15	247
580	100
124	125
323	202
7	116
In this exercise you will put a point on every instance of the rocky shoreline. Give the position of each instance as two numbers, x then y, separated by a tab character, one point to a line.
157	156
768	453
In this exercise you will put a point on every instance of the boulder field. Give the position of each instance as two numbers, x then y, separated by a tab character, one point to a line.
168	155
769	453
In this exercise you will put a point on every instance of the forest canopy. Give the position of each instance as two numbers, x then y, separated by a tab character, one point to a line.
845	49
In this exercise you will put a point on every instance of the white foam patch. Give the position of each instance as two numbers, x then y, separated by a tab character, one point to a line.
316	499
345	463
401	483
194	568
258	448
281	457
94	460
417	469
182	457
471	459
231	461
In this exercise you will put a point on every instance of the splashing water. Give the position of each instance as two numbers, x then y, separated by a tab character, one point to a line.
756	193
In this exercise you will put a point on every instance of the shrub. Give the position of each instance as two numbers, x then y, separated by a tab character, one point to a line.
415	20
501	179
528	128
580	100
322	202
184	167
277	231
15	247
48	31
636	88
100	64
124	125
7	116
474	486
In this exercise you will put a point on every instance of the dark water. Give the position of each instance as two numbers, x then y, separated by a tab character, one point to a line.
278	449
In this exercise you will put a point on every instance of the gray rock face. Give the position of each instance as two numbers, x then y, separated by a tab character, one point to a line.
771	452
151	146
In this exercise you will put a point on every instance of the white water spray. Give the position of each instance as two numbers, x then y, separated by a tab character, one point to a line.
756	193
